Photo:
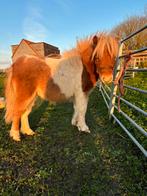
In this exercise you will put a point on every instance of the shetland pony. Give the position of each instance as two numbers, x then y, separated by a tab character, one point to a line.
71	76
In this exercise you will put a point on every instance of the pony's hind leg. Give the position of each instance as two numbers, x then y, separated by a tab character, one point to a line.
25	127
22	109
14	132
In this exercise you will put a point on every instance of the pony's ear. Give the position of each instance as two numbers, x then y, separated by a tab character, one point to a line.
94	41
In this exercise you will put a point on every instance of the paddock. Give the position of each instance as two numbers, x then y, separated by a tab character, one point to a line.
59	160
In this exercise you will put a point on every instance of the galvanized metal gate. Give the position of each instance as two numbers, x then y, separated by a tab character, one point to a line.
111	94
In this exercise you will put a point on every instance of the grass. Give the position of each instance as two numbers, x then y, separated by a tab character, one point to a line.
139	81
138	99
59	160
2	81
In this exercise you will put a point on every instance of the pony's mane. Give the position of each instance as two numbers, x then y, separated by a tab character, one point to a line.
70	53
105	41
81	46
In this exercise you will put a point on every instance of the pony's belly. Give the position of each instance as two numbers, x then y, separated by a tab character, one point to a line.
51	91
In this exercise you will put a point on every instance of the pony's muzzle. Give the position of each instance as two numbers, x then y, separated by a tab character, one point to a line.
106	78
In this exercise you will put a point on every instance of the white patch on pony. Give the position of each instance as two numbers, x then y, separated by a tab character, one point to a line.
81	101
74	120
66	74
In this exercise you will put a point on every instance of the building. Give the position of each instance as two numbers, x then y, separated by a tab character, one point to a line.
40	49
139	59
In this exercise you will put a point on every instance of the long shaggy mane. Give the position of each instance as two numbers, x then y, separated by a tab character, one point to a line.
105	41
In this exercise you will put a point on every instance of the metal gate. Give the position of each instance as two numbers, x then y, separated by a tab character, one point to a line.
110	95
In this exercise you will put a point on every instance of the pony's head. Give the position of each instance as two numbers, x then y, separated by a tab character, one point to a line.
104	56
98	55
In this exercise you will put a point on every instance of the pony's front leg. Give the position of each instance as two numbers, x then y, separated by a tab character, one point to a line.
14	132
81	107
74	120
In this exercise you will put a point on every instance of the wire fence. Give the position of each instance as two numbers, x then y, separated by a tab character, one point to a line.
110	96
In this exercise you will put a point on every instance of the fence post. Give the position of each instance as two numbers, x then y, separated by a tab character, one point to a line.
115	87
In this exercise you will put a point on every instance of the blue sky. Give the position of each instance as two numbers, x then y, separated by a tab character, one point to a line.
59	22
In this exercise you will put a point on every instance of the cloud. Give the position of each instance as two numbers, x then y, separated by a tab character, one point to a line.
64	4
33	28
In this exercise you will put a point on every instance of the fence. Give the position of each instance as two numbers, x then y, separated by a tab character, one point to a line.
111	94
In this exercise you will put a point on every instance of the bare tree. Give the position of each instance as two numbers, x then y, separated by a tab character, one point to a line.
130	25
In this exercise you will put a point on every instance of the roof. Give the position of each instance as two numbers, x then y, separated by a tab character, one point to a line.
29	43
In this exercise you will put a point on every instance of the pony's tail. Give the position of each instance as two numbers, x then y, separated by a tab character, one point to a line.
9	95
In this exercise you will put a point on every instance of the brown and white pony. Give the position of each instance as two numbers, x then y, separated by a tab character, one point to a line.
71	76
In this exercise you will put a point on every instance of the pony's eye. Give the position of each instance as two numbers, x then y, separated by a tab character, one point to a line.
115	58
97	60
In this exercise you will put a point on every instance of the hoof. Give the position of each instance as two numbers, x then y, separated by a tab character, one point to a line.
84	129
28	132
14	134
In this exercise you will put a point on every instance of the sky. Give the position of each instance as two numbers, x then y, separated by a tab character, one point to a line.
59	22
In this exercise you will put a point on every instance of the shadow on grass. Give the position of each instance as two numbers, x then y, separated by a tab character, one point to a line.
65	160
36	113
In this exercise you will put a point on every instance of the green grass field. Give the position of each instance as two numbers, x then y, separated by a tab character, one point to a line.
59	160
2	81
